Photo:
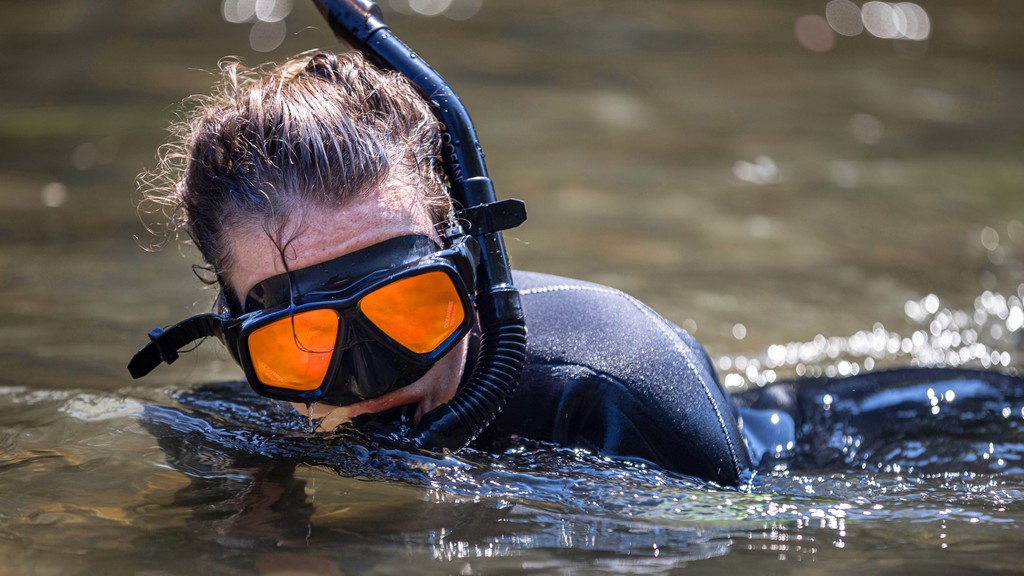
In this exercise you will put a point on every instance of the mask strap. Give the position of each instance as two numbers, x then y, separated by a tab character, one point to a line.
165	344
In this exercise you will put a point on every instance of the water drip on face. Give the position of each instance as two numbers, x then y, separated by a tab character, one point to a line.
313	422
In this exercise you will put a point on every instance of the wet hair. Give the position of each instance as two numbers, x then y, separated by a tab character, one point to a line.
270	142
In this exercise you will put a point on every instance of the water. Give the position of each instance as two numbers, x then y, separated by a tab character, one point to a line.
219	480
801	212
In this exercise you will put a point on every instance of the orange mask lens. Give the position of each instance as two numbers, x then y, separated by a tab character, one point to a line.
295	352
419	312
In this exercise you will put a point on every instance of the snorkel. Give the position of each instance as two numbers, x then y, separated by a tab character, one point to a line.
359	23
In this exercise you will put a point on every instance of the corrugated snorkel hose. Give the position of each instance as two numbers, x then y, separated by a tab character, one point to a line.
503	329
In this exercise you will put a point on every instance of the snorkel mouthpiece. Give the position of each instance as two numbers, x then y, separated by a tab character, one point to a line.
359	23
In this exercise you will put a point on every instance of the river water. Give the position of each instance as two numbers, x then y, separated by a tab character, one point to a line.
805	202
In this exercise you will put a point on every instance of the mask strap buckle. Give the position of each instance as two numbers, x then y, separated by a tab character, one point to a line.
167	355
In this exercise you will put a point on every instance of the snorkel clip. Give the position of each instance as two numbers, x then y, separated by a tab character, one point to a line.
493	216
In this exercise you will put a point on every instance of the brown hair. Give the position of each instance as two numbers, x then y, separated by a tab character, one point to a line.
312	132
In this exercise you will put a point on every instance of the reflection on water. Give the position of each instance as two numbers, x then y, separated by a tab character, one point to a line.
987	335
822	188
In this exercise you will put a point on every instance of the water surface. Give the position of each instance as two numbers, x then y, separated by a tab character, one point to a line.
802	212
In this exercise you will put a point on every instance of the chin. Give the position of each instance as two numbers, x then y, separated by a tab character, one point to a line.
418	393
435	388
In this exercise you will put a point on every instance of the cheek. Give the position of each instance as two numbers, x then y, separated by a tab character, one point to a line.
451	371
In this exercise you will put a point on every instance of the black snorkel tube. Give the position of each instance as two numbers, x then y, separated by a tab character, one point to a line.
359	23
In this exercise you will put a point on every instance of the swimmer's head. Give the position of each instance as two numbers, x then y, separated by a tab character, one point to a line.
285	170
305	172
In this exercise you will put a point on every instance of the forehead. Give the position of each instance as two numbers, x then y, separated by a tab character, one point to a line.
316	234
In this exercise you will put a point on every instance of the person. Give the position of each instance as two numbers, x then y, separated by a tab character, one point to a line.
316	194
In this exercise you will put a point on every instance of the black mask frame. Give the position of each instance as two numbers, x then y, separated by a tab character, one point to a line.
366	362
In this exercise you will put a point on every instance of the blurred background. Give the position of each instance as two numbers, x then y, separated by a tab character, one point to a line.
808	186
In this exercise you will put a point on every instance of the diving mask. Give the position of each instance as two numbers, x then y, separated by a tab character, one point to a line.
349	329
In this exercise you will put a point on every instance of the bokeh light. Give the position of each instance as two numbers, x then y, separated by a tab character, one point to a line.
882	20
844	17
895	21
918	25
267	17
866	128
429	7
463	9
453	9
940	336
273	10
267	36
54	194
85	156
238	11
814	33
902	21
762	170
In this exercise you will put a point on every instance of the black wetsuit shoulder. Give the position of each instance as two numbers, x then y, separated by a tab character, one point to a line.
606	372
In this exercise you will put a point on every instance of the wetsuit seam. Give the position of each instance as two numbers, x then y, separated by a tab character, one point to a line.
669	333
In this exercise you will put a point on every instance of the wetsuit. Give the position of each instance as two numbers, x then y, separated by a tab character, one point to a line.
607	373
931	420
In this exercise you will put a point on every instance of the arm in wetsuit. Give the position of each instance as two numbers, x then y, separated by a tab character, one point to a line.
928	419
